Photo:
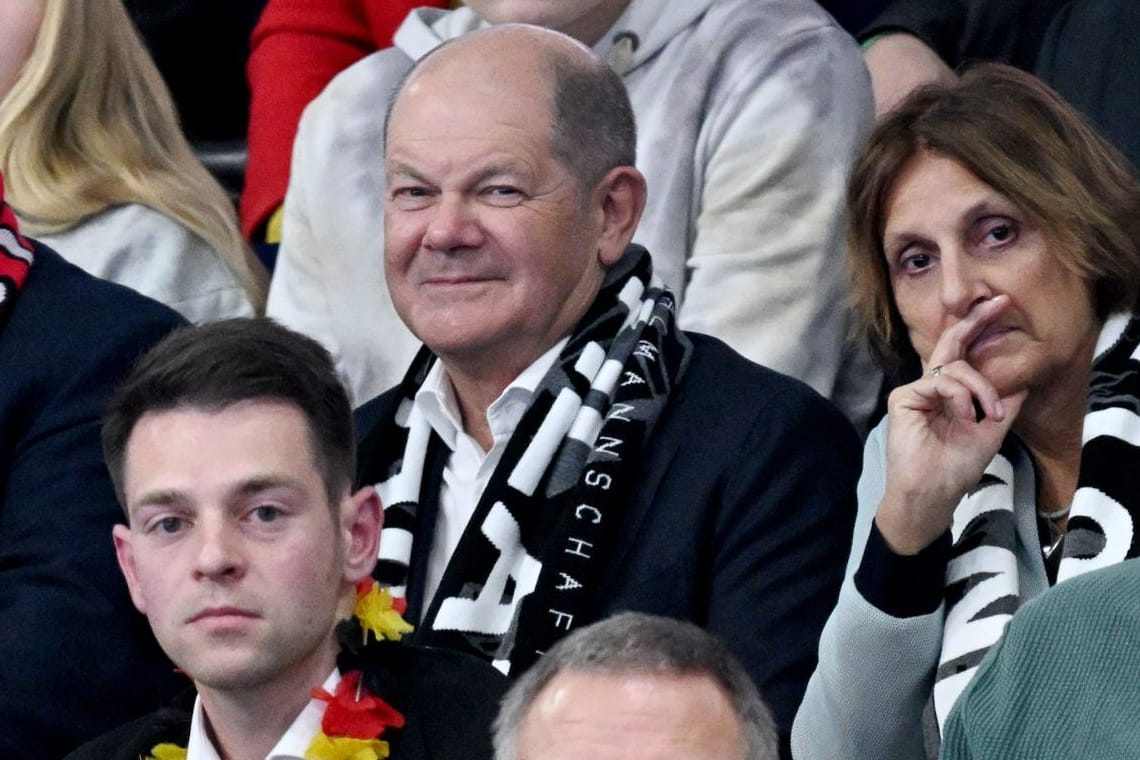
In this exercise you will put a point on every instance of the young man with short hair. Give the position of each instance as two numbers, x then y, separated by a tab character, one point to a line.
231	448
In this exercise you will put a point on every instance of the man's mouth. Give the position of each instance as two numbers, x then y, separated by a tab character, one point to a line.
221	615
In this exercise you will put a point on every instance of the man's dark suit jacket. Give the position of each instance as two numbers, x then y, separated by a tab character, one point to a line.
742	522
75	656
448	700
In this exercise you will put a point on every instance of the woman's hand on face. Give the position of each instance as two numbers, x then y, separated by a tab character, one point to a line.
937	447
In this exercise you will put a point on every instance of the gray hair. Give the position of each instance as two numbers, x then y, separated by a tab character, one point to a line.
634	642
594	129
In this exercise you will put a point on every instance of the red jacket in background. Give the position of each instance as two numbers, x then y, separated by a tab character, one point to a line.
297	47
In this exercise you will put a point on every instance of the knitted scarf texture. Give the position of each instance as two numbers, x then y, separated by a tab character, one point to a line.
982	590
527	567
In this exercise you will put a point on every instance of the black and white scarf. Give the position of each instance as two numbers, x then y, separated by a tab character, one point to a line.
526	569
982	591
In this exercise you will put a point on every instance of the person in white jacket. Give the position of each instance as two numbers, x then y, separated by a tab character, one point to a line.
749	114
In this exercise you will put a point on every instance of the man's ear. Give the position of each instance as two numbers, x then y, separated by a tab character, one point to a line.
361	520
621	196
124	553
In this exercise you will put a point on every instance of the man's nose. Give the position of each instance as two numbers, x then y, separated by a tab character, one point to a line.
454	225
219	550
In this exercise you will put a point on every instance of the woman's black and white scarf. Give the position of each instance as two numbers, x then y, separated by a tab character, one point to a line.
982	590
526	569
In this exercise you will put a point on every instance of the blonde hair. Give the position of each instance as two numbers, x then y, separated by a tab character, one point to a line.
89	124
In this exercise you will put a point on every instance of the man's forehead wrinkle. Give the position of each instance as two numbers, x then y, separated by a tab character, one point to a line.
412	145
409	164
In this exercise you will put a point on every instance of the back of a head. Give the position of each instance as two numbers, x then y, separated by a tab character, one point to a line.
222	363
637	643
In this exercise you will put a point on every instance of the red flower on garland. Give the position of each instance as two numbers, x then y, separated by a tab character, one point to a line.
354	712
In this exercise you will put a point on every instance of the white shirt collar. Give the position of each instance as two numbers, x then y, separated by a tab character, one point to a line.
292	744
469	467
436	399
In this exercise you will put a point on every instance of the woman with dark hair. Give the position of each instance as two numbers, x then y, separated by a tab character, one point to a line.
995	252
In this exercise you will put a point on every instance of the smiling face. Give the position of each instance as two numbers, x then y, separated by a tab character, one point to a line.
952	242
630	716
493	250
233	551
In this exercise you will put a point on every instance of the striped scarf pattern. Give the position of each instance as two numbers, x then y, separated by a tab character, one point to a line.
527	567
982	590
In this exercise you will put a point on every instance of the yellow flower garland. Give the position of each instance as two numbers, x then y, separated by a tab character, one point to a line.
375	609
346	748
167	751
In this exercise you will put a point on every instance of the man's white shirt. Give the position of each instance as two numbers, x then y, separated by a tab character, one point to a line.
468	467
291	746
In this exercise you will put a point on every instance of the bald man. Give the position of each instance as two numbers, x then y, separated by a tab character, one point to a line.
750	112
560	450
230	447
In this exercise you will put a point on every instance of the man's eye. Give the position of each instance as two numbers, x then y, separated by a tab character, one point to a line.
266	514
169	525
411	197
505	195
410	192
